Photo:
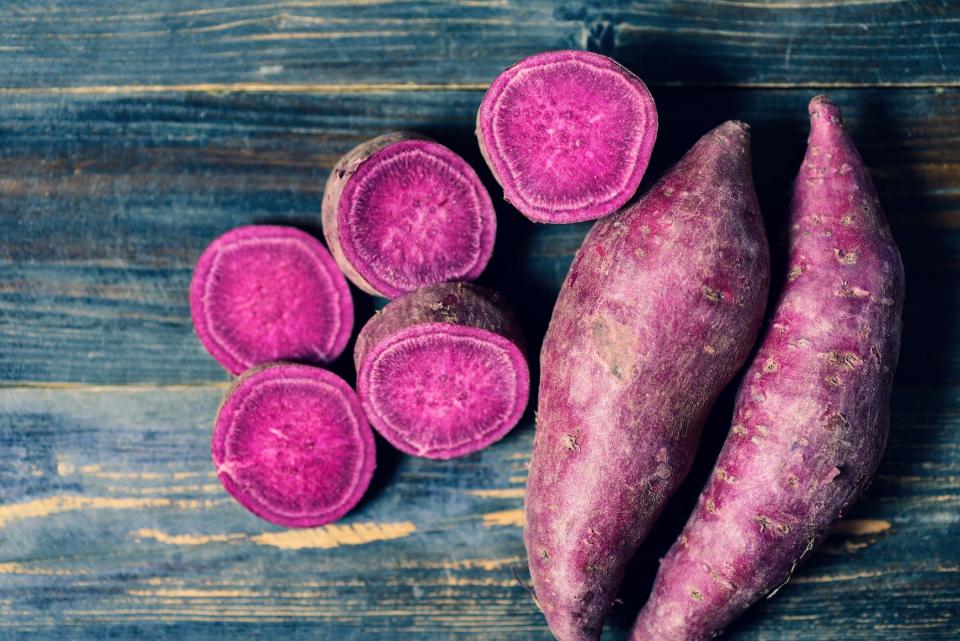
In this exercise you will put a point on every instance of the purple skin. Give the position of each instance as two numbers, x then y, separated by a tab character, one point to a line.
660	309
262	293
812	413
567	134
401	211
291	444
442	372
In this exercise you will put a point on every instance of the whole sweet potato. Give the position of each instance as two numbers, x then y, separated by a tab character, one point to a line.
812	414
659	310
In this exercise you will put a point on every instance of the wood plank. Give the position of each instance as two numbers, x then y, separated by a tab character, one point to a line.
132	135
105	204
88	46
112	523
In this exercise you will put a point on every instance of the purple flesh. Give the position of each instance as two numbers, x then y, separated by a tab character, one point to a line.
442	371
812	414
568	135
660	308
291	444
263	293
401	211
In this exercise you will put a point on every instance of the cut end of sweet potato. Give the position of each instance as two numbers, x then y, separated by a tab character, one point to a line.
442	371
291	445
733	127
440	390
262	293
568	134
405	212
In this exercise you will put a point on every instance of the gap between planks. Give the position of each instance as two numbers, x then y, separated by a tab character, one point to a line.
409	87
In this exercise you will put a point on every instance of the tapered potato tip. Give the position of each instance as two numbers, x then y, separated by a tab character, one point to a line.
822	108
735	126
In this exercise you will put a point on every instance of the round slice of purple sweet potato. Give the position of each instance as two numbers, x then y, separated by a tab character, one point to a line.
292	445
567	134
263	293
442	372
401	211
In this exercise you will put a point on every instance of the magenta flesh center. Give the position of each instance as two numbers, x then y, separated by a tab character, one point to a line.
569	133
441	391
293	446
413	217
271	298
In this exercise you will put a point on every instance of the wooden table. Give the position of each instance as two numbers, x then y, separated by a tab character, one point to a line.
132	135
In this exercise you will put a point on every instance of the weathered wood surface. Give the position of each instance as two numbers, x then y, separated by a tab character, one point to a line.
131	135
90	46
112	521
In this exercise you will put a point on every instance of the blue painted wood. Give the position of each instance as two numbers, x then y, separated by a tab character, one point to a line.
358	43
133	133
112	523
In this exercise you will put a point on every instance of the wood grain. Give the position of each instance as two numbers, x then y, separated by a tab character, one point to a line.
111	519
88	47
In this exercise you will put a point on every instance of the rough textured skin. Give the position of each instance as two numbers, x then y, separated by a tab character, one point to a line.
401	211
660	309
812	413
262	293
291	444
568	135
442	372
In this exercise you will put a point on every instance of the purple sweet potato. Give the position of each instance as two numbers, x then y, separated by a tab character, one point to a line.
659	310
567	134
442	372
811	416
401	211
262	293
291	444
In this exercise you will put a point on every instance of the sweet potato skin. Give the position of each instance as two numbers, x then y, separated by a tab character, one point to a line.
456	303
659	310
812	414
